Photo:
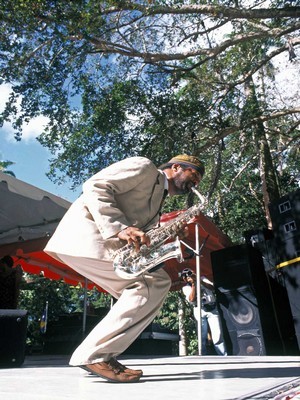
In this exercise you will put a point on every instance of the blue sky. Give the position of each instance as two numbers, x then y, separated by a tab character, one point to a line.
31	165
30	158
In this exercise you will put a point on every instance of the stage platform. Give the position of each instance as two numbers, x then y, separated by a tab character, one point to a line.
176	378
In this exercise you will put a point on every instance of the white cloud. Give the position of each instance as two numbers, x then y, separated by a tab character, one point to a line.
4	93
34	128
30	130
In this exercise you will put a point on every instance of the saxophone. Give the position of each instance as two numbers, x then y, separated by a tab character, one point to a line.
129	263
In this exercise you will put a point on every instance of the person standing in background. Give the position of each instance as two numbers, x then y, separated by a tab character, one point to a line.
209	313
10	280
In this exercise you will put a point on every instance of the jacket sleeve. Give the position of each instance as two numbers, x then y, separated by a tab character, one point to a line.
101	191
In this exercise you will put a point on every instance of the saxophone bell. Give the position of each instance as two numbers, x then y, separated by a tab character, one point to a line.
131	268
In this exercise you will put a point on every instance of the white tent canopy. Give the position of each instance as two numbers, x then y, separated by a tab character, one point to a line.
27	213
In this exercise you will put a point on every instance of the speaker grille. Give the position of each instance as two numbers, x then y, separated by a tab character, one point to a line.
250	343
242	307
254	320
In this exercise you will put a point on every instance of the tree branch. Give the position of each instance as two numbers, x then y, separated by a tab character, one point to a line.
218	11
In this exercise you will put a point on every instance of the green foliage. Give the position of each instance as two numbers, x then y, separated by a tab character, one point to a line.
103	108
168	315
62	300
4	165
168	318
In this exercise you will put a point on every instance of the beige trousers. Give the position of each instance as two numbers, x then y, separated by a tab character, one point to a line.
139	301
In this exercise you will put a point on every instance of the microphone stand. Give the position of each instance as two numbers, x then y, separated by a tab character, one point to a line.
197	252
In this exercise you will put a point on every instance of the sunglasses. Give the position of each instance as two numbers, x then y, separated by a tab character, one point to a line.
186	272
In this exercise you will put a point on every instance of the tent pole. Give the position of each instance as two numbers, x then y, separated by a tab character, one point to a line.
84	308
198	289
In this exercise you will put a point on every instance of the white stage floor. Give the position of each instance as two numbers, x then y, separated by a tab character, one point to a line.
183	378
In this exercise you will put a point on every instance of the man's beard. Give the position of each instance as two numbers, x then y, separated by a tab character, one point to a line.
182	185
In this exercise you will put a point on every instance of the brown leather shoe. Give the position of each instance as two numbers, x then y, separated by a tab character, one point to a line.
114	362
111	372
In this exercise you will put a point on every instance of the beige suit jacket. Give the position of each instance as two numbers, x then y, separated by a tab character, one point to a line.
127	193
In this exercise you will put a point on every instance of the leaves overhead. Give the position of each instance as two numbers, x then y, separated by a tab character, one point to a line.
121	78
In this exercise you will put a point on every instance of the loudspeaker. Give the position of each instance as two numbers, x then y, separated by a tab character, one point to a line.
263	240
287	250
254	309
155	340
291	275
257	237
285	216
13	329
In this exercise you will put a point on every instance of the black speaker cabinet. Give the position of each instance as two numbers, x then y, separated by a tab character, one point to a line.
263	240
291	275
285	216
288	250
13	329
254	309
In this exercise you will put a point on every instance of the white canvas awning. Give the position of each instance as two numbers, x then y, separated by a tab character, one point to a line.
26	212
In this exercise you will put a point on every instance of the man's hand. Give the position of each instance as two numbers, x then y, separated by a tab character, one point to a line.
191	279
134	236
183	232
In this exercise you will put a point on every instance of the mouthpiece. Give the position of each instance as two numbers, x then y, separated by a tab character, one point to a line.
199	195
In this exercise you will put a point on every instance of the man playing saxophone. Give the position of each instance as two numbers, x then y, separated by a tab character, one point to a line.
118	206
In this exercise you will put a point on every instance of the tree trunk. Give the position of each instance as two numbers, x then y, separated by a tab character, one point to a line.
270	190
